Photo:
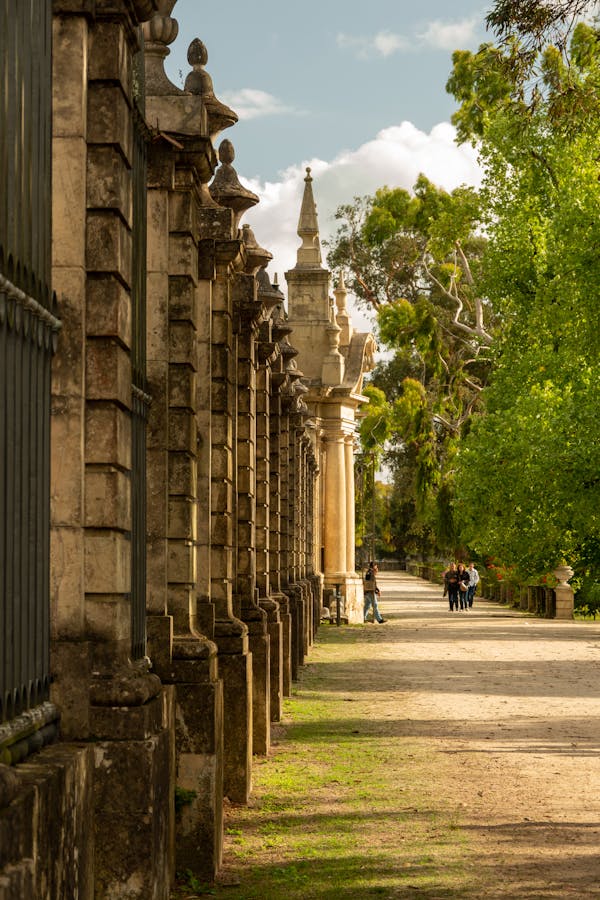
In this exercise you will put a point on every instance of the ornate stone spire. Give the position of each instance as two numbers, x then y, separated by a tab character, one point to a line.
199	82
226	188
309	254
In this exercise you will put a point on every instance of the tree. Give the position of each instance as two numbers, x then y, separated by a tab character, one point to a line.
414	258
537	22
527	474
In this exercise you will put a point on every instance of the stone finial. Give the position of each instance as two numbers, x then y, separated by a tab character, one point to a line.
159	31
269	295
199	82
309	254
226	188
256	256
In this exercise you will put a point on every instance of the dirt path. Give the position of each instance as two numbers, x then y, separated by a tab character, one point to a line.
488	719
512	704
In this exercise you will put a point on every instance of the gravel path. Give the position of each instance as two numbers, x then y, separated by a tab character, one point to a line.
511	706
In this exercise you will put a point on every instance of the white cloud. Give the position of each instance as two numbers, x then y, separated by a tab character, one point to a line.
437	35
384	43
251	103
450	35
394	157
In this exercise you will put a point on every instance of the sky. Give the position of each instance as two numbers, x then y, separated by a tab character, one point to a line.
355	90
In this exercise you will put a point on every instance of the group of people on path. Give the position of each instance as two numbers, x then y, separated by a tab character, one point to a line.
459	585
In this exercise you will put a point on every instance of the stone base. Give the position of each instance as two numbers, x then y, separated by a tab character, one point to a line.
47	830
565	601
351	586
236	672
199	815
133	800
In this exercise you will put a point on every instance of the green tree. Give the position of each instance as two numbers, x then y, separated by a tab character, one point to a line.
527	474
414	258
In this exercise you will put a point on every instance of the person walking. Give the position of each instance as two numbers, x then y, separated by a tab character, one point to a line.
463	585
372	592
473	582
451	583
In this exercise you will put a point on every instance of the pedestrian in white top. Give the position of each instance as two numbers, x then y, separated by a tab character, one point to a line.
473	582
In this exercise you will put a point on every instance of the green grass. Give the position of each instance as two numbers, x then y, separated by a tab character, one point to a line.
342	807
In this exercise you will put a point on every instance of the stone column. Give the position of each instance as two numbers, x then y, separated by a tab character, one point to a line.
278	379
350	505
182	162
98	252
245	595
267	351
231	634
335	507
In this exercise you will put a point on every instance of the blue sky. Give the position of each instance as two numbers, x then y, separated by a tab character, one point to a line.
354	89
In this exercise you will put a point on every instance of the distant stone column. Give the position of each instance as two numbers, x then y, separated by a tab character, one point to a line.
278	379
269	600
231	634
350	505
245	593
335	507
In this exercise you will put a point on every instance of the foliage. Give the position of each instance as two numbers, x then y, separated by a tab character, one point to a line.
183	796
528	472
414	257
537	22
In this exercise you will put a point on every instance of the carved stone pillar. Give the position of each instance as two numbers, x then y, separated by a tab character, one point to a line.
335	507
350	505
180	628
245	594
278	379
231	634
98	566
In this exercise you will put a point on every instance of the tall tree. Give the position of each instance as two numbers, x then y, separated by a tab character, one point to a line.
527	474
414	258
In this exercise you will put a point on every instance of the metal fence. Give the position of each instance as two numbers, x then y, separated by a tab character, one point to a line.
28	329
140	399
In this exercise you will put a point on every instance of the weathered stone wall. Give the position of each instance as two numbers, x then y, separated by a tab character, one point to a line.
46	830
229	474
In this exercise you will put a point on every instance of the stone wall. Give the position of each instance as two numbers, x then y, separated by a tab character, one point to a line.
167	316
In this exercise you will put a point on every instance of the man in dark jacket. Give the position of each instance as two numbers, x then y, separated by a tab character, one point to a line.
372	592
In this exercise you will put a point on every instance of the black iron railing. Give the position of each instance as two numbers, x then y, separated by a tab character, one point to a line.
140	398
28	329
